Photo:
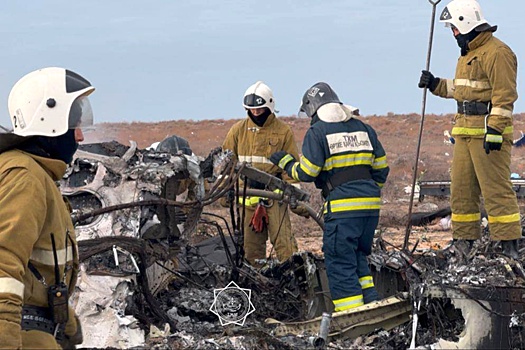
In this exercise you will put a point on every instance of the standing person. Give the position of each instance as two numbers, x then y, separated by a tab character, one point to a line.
38	249
253	140
343	157
485	90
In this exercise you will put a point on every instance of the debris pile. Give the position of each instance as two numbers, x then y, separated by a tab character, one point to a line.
155	262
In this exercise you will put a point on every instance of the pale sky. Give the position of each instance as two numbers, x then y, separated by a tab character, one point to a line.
160	60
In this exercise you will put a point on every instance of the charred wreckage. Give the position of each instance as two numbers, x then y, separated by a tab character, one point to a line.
161	269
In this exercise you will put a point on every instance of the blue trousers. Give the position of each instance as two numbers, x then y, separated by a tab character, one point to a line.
346	244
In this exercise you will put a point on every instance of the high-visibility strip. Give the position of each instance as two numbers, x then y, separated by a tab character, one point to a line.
12	286
366	282
309	168
380	184
475	84
250	201
466	217
379	163
45	257
254	159
364	203
504	219
285	160
501	111
346	160
349	302
294	173
477	131
450	88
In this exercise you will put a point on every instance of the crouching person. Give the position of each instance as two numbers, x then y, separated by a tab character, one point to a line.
38	249
344	158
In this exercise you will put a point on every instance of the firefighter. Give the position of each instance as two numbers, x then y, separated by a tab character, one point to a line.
38	249
485	90
253	140
344	158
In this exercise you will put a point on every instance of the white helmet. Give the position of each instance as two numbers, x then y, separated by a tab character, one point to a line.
49	101
259	95
465	15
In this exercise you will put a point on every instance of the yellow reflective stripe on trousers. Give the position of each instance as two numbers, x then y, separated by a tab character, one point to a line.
366	282
476	131
504	219
45	257
11	286
366	203
466	217
349	302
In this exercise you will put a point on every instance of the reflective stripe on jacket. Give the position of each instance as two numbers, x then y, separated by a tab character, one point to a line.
487	73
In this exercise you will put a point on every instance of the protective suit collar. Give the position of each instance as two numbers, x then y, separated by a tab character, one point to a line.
9	141
336	112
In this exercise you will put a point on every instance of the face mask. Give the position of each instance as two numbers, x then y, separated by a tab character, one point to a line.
464	39
62	147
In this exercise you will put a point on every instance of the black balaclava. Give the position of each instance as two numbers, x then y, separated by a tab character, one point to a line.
261	119
62	147
464	39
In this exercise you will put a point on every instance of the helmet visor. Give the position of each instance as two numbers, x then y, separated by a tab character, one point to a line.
80	114
254	101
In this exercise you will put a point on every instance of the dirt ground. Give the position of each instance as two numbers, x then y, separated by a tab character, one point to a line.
399	136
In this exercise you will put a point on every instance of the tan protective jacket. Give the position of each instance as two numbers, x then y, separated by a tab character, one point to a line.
486	73
254	144
31	208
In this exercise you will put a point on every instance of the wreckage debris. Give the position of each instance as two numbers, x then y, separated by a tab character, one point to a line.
149	274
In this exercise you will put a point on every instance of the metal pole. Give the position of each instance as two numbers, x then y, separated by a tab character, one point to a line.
423	107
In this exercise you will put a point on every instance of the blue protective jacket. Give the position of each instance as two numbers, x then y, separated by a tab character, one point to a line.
340	142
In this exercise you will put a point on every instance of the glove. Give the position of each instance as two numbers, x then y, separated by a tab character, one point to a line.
493	140
259	219
283	160
427	80
301	211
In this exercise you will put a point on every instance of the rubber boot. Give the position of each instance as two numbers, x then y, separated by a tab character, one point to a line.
370	295
464	245
510	248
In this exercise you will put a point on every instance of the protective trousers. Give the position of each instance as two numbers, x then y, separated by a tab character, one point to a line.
346	244
476	173
281	236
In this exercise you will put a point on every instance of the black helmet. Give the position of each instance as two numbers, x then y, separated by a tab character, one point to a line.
173	144
316	96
